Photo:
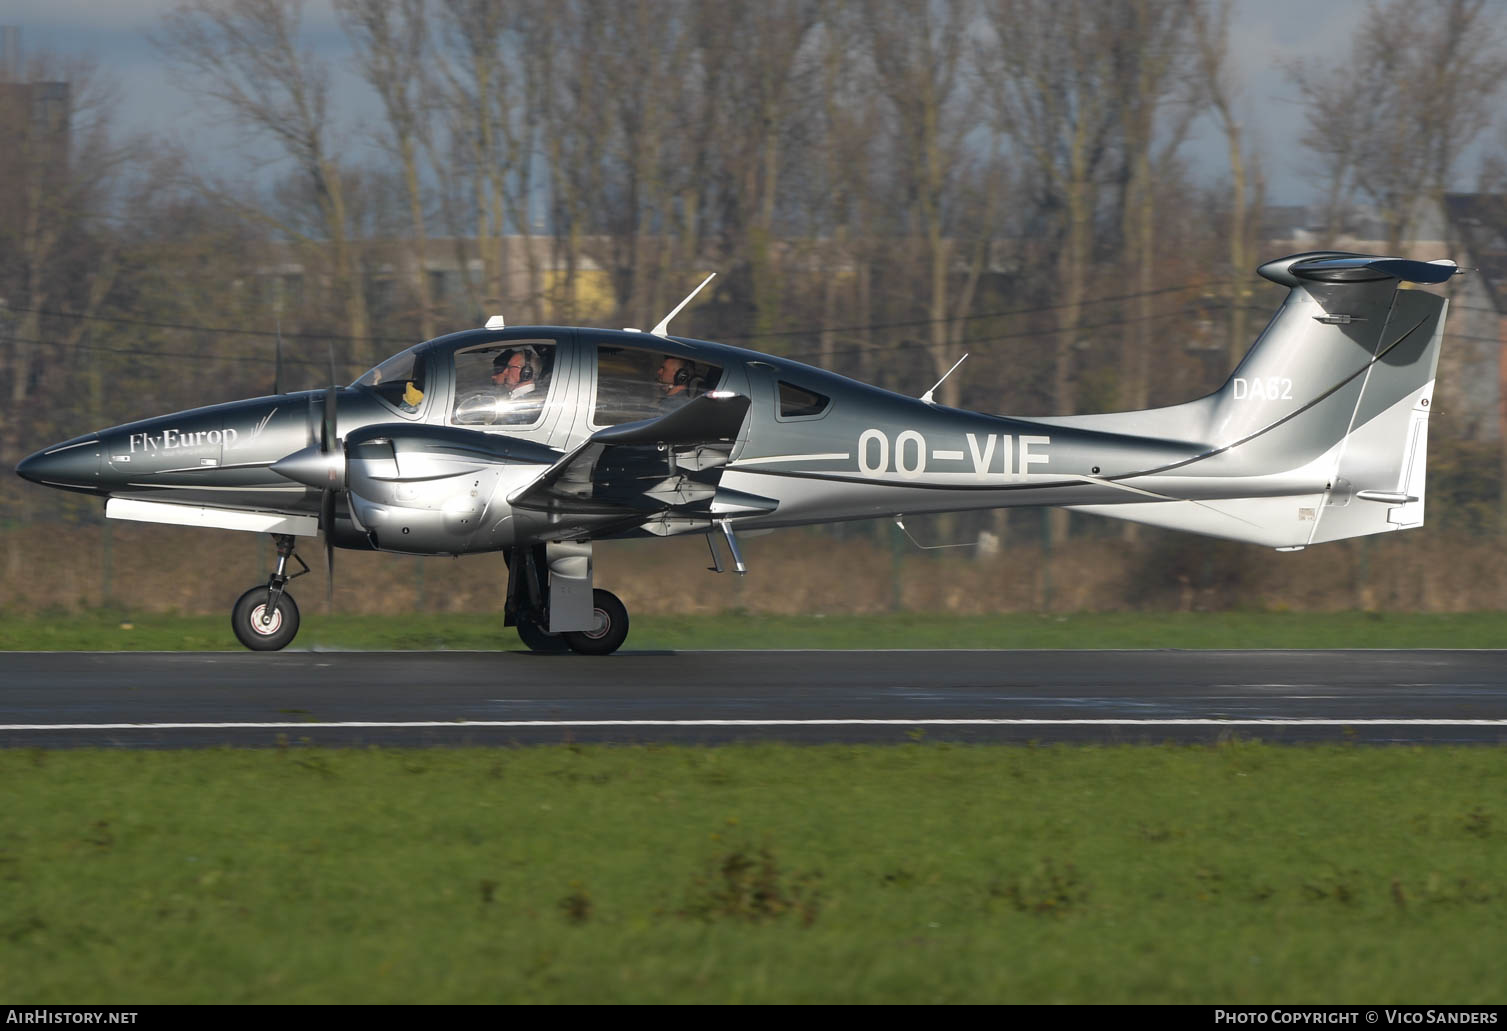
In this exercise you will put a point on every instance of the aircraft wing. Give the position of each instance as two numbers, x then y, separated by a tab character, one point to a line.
633	472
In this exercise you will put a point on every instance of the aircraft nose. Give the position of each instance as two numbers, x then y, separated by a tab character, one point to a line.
74	464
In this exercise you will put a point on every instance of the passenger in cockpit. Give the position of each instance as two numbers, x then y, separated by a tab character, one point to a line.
678	381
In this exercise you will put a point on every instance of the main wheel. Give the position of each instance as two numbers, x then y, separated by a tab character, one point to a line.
537	638
611	626
255	629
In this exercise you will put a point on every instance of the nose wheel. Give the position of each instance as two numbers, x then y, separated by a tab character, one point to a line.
265	619
263	627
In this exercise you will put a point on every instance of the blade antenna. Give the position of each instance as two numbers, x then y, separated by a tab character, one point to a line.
931	547
927	396
664	323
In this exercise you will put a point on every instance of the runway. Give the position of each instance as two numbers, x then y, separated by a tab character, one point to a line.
205	699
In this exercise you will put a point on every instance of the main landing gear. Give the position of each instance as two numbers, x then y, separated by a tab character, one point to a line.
554	607
550	601
265	619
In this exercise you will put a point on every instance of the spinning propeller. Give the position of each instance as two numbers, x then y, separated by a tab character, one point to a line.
321	465
332	448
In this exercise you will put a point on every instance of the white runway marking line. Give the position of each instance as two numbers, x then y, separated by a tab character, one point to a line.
523	724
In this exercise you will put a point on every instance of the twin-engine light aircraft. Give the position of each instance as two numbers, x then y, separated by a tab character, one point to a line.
540	440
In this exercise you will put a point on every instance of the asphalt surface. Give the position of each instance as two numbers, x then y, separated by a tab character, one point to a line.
202	699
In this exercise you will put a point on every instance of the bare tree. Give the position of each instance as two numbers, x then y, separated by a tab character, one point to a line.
1051	66
1394	117
1211	21
918	51
245	55
392	43
642	74
59	169
573	127
507	65
478	101
1151	58
844	143
748	104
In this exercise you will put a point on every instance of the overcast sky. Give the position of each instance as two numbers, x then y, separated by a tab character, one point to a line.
1266	34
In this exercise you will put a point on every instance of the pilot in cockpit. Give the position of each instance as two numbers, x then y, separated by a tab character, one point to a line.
517	377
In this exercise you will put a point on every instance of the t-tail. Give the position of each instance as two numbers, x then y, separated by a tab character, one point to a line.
1321	433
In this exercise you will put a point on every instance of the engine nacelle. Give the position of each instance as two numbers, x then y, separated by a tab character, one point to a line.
432	489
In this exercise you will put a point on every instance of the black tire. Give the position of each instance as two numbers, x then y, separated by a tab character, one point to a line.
611	631
539	639
246	621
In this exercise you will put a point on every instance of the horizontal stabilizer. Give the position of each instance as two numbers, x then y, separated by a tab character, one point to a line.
1341	267
1349	270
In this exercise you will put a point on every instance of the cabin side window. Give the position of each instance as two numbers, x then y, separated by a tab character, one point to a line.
800	403
635	384
504	383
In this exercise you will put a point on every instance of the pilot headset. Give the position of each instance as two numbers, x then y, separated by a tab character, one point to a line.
683	374
525	371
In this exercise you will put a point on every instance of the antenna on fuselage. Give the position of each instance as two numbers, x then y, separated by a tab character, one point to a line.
927	396
664	323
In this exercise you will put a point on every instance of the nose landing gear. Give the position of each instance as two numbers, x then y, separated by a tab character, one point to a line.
265	619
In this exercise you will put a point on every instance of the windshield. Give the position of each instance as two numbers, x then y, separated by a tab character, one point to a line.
399	381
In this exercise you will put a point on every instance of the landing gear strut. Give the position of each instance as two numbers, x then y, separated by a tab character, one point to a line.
265	619
554	607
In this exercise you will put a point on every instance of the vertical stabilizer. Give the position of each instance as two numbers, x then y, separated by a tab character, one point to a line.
1321	433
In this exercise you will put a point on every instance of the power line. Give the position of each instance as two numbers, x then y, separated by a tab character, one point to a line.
1023	334
770	334
142	353
1030	333
808	331
968	318
203	329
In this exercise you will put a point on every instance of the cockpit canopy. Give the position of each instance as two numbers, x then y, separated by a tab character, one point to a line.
514	378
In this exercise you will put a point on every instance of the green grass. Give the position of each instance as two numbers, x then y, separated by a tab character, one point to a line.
109	630
923	873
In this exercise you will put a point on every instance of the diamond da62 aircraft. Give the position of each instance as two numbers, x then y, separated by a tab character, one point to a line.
539	440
